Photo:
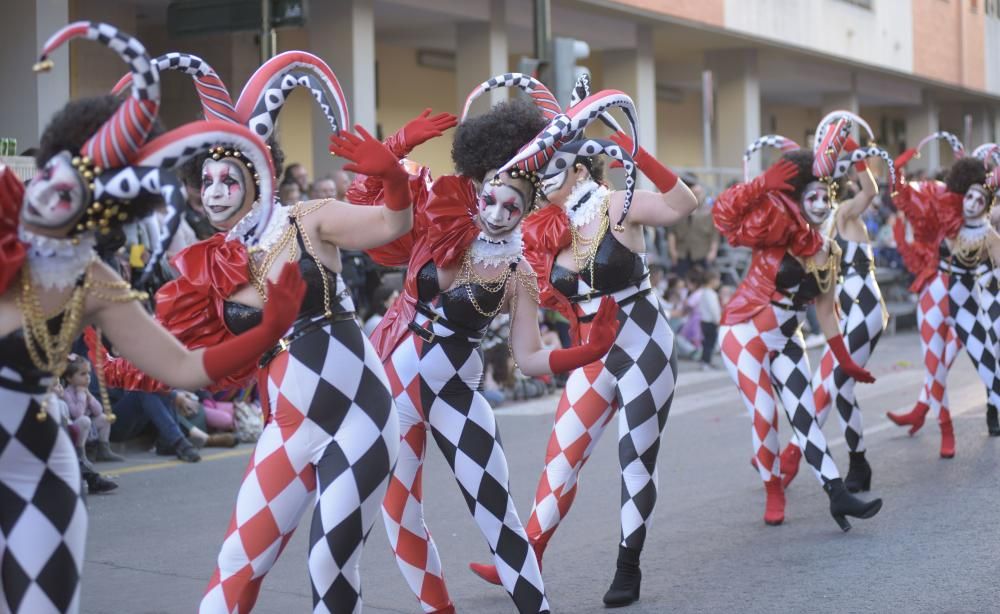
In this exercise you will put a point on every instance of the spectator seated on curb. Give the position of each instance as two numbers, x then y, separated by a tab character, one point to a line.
139	411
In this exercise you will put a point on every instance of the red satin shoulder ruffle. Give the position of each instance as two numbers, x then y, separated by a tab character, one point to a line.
443	230
545	234
932	211
12	252
750	216
191	306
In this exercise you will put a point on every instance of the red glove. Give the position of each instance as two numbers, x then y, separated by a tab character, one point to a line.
904	158
284	297
849	146
847	363
419	130
370	157
662	177
776	177
603	331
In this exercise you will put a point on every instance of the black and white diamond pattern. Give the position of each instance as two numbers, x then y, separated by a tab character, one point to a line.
43	522
975	330
775	141
543	98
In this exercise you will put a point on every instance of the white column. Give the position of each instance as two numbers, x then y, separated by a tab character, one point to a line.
343	34
481	53
28	99
982	127
633	71
920	122
737	105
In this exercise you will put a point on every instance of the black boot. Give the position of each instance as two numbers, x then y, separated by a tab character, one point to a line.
992	422
625	586
843	504
859	474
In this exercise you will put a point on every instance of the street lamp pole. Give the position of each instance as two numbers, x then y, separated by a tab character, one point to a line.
543	38
267	37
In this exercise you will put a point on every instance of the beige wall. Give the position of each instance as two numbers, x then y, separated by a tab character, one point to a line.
679	131
705	11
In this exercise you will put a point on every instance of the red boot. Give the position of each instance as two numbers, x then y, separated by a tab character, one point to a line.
489	572
915	418
774	509
947	434
790	458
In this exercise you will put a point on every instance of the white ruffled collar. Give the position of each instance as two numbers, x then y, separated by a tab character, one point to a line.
243	230
584	202
57	263
494	252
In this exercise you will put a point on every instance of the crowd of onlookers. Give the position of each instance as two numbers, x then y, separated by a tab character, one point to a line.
692	270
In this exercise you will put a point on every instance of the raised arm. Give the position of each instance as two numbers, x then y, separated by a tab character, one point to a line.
146	344
855	206
672	203
363	227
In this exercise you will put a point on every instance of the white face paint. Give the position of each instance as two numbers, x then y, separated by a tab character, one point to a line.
55	197
551	185
223	190
816	205
974	203
501	207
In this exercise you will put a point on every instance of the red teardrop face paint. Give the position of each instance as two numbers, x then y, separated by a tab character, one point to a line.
501	207
223	189
54	198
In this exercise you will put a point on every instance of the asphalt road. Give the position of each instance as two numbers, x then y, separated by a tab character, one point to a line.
935	547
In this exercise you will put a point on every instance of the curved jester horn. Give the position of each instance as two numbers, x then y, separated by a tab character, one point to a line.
540	95
953	141
268	89
581	91
116	142
852	118
827	149
987	149
784	144
863	153
216	102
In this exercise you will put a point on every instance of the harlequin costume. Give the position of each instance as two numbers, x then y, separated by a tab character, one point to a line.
957	288
331	432
430	340
636	377
862	319
101	183
762	343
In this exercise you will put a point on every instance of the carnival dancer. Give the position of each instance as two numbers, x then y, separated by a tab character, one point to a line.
583	247
862	316
466	267
331	435
96	174
953	217
778	215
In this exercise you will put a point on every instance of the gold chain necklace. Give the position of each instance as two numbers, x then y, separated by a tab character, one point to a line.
51	353
826	273
585	260
969	253
468	277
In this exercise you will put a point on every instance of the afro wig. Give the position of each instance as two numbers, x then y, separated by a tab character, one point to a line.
803	160
964	173
487	142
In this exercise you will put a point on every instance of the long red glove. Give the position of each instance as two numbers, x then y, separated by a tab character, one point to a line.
418	131
847	363
370	157
662	177
284	297
603	331
776	177
849	146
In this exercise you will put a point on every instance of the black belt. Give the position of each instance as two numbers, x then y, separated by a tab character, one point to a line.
793	307
297	333
628	300
432	337
29	385
583	298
